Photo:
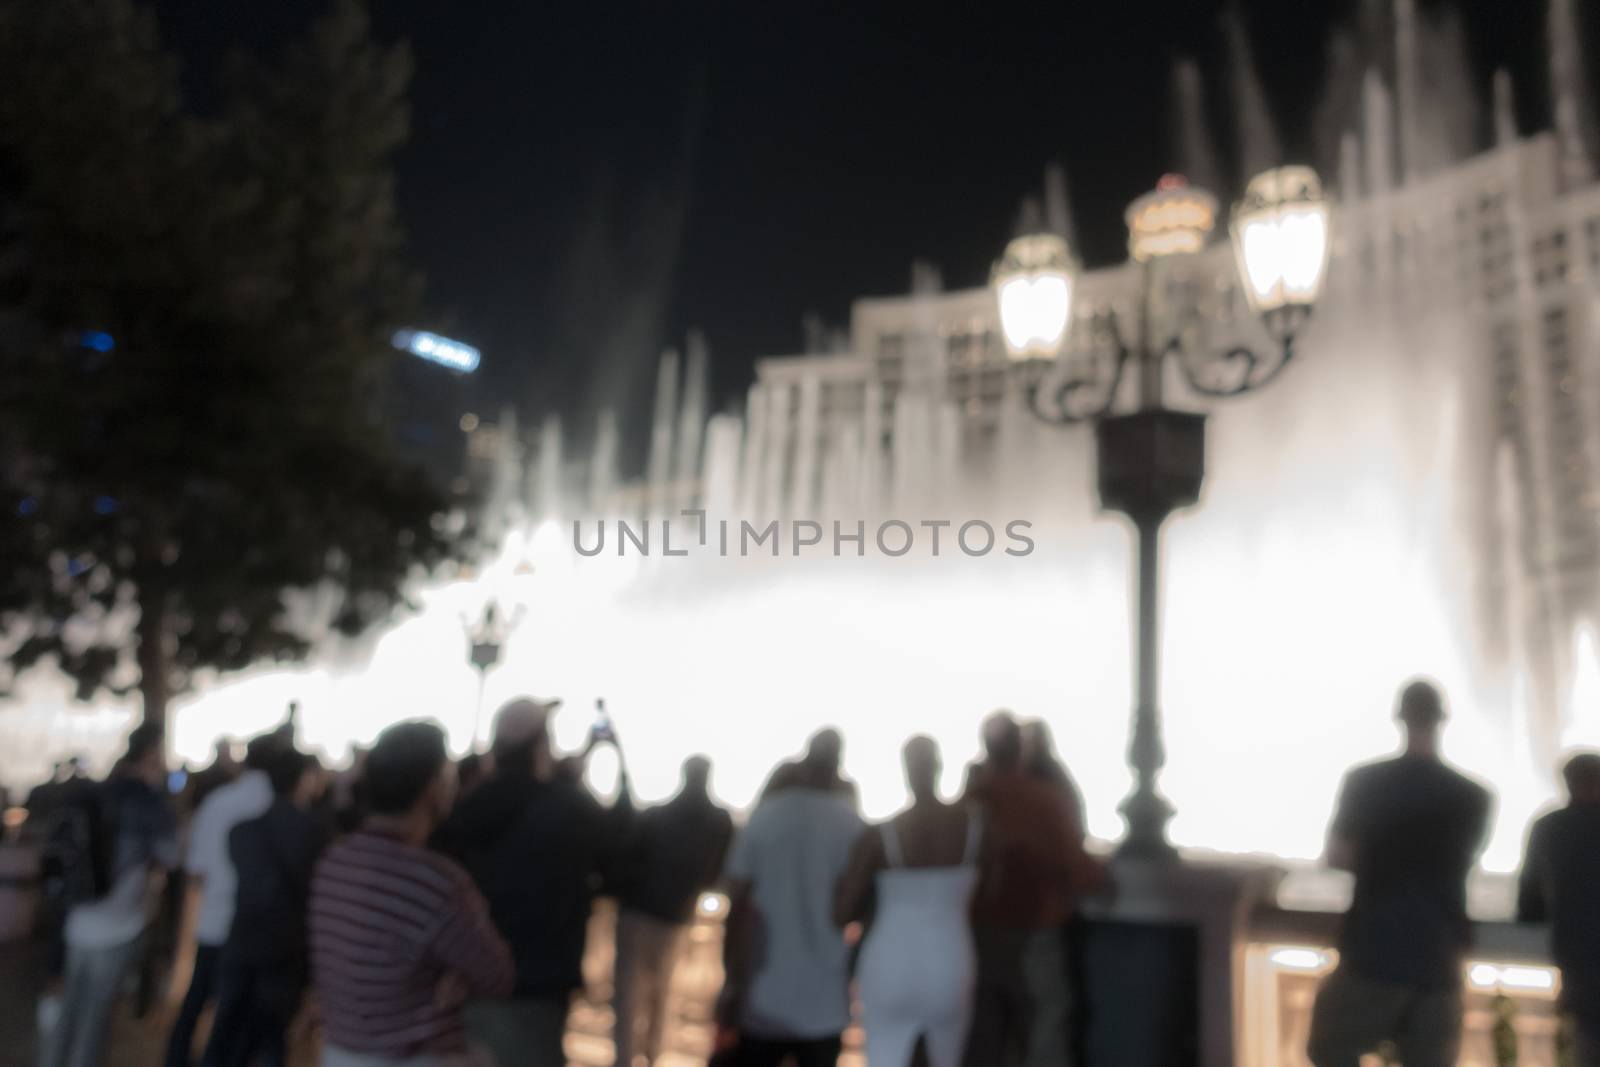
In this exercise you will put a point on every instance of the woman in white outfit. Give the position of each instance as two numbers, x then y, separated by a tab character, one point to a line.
912	881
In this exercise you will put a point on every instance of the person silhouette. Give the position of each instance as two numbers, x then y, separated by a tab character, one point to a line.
400	936
916	875
674	854
1023	1006
540	847
1559	883
1410	829
788	969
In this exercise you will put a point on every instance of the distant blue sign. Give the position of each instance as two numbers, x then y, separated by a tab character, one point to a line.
436	349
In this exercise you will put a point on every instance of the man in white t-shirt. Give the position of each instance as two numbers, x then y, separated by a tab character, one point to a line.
788	966
209	866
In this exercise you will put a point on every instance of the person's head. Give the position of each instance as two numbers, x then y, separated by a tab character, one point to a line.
697	776
1038	745
1420	710
922	763
823	753
1582	776
261	751
1002	740
521	742
222	752
410	775
296	777
470	770
146	758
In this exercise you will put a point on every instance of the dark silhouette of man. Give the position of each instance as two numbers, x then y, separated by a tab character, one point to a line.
1410	829
825	749
1023	1004
674	855
540	847
1560	885
265	963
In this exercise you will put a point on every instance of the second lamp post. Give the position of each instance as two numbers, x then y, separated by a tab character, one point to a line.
1151	459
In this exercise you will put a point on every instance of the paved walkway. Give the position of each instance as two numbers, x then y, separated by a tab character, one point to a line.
141	1042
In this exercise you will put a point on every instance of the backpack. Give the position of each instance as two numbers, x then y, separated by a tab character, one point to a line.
75	858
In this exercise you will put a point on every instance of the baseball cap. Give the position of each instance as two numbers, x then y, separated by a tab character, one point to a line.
522	721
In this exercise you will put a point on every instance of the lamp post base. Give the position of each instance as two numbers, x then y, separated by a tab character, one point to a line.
1146	815
1151	463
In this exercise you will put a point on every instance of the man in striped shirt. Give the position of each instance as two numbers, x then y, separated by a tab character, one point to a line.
399	935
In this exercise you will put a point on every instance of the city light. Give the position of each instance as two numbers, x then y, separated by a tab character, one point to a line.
1280	233
1034	280
1299	959
1174	219
1493	977
435	349
97	340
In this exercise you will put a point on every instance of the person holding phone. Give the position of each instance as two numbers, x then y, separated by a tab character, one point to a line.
540	847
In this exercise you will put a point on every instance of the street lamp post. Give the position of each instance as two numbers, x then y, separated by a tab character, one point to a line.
485	639
1151	460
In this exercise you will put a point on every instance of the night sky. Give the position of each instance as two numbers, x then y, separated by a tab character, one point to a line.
587	181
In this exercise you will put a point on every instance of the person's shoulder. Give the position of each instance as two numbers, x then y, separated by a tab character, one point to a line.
287	819
245	836
779	811
1382	774
249	793
221	797
1374	769
338	848
419	864
300	820
564	802
842	809
770	809
1551	822
448	875
254	826
1469	787
492	802
138	799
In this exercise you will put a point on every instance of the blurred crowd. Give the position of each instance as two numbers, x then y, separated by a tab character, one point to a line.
421	911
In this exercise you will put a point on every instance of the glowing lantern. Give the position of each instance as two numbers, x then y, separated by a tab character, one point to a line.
1033	282
1280	237
1173	220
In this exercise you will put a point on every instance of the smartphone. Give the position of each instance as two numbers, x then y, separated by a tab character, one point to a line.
176	781
602	730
